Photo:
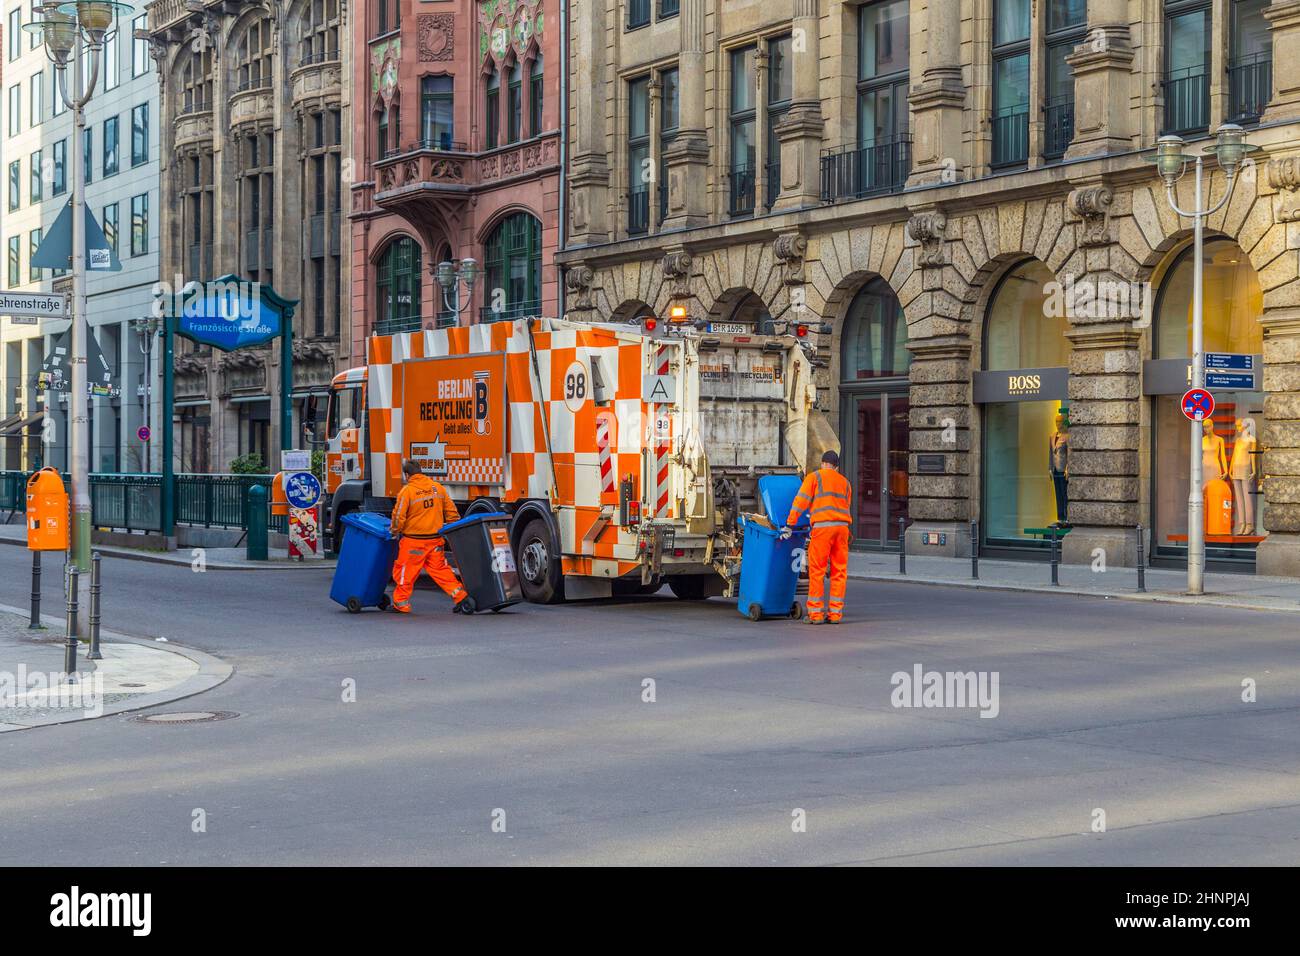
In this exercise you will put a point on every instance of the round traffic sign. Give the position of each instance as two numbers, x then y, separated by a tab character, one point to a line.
1198	404
143	433
302	489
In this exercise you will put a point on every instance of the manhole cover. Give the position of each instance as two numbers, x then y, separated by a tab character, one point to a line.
186	717
131	685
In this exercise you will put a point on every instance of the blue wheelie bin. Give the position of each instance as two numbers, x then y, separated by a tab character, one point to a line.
481	546
769	566
365	564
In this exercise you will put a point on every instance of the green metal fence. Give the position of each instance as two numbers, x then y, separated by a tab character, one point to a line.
134	502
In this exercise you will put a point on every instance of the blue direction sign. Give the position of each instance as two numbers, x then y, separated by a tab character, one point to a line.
230	313
302	489
1198	404
1236	361
1231	381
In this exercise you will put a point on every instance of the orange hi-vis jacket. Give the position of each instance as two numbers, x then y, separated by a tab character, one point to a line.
825	495
423	507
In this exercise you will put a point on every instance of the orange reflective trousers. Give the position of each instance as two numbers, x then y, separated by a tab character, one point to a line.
422	554
828	550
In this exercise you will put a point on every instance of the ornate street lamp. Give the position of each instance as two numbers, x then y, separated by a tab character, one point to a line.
1230	150
67	29
451	276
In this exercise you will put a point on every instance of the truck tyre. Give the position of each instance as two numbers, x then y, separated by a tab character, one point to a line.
623	588
540	574
688	587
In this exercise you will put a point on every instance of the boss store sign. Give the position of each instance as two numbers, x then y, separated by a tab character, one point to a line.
1021	385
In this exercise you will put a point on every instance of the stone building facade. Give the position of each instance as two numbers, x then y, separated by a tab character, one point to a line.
931	183
457	143
256	138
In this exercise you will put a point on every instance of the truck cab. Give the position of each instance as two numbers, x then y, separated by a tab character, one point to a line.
346	484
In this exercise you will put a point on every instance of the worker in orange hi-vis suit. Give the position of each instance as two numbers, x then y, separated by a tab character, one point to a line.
423	507
825	495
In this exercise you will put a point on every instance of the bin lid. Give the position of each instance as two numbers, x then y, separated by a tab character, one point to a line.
473	519
777	493
370	521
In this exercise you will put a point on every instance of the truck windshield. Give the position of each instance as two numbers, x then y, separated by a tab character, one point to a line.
345	409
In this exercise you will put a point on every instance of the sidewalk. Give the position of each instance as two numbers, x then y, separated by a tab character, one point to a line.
215	559
135	673
1226	590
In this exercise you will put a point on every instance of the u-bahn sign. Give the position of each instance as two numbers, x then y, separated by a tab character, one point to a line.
229	313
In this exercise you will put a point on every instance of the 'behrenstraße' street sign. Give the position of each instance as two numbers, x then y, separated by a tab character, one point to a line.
26	308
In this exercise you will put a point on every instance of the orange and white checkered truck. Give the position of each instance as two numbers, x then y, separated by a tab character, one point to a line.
623	457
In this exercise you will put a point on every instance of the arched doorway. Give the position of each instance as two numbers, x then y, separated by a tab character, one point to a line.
874	360
1230	438
397	287
1025	412
741	311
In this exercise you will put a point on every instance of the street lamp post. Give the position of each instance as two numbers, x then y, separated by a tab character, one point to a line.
67	29
450	276
147	330
1230	149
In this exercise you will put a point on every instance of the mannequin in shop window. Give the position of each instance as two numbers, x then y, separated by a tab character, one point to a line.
1058	463
1243	475
1217	491
1214	455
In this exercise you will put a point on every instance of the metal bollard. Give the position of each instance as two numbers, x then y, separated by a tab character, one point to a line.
36	591
94	654
975	550
1142	571
256	548
1055	562
70	645
902	546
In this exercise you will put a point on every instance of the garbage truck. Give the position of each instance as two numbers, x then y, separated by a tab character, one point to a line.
624	454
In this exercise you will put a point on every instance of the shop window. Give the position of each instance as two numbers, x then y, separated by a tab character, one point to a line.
1229	439
875	336
1026	422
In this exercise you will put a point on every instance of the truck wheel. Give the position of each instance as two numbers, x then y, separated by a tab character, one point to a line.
540	574
688	587
623	588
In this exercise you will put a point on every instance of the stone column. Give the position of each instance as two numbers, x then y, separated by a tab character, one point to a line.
760	131
939	396
588	172
937	102
687	157
1279	553
656	148
802	127
1284	22
1102	65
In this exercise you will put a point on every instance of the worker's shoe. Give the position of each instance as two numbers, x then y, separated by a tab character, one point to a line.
834	620
813	620
464	606
400	610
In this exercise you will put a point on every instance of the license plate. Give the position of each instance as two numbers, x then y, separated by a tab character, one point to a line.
728	328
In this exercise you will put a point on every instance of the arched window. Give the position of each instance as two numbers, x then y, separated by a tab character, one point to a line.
397	286
388	127
514	119
751	312
514	269
1026	418
492	113
318	38
196	83
1229	440
874	343
256	57
535	97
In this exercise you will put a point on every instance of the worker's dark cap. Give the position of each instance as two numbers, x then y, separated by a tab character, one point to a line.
830	458
412	467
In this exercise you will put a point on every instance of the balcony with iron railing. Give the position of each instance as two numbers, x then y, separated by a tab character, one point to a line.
1011	136
519	310
1187	100
1250	87
854	172
404	323
638	210
741	192
1058	126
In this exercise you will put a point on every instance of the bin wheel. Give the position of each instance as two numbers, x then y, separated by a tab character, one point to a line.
796	611
384	602
755	612
354	605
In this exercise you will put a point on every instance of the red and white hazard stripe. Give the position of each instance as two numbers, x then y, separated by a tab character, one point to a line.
607	490
663	447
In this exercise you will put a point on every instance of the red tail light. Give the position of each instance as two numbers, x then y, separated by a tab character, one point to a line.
650	325
801	331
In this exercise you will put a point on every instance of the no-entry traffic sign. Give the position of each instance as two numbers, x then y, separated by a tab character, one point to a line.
1198	404
143	433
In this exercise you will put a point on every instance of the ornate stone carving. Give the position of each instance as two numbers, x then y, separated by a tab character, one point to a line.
1092	205
1284	176
928	228
188	365
578	283
789	250
437	36
677	273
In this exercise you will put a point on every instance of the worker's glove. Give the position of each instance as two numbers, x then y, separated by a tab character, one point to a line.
786	532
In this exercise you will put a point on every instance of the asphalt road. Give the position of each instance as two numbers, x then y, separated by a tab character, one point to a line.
535	719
